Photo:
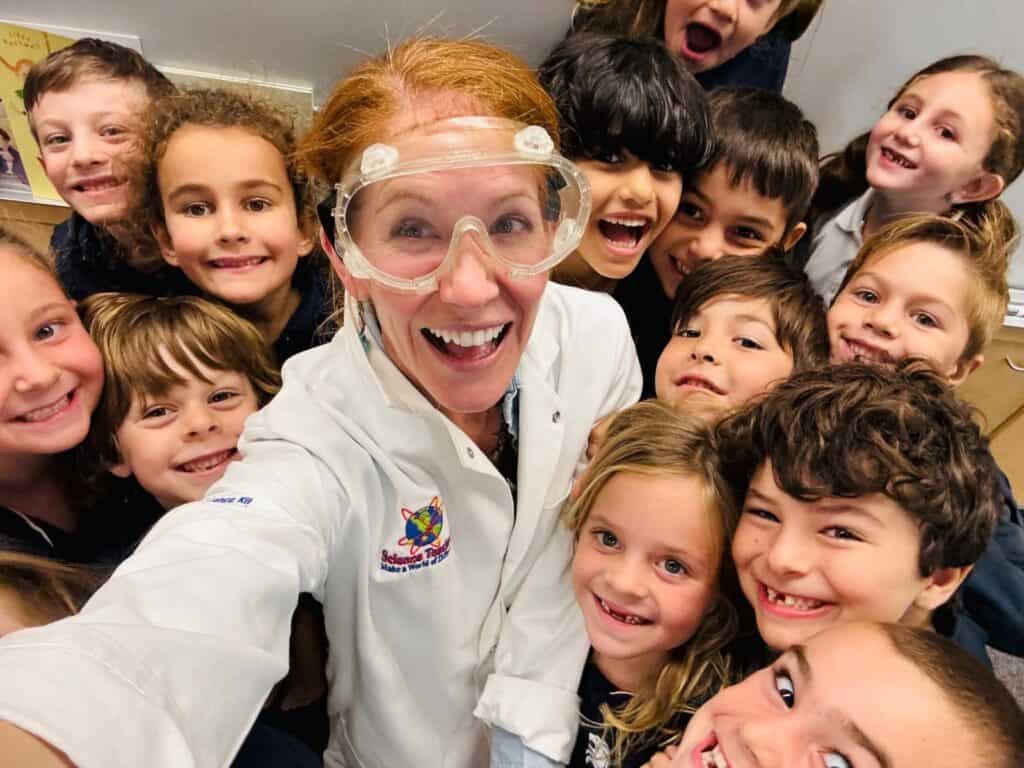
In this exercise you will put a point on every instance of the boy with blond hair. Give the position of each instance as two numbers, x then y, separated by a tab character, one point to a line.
84	105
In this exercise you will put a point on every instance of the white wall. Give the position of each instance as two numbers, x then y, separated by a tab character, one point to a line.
859	52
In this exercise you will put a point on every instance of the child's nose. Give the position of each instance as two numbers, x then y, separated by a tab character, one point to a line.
789	554
199	421
87	150
639	185
907	134
704	350
709	245
35	371
766	737
230	226
883	320
625	578
725	9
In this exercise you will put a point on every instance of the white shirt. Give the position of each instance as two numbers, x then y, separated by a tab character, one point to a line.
835	246
435	629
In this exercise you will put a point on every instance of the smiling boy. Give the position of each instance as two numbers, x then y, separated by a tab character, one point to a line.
863	696
84	105
868	494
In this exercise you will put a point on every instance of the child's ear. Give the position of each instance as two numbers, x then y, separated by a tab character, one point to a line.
941	586
793	236
163	239
965	368
120	470
984	187
305	244
360	289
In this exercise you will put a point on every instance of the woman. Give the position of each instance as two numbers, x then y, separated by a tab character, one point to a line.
408	475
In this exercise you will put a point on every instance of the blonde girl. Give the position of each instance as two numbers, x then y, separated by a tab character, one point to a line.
652	524
949	144
222	199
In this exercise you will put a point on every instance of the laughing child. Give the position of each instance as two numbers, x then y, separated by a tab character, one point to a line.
867	492
750	197
222	200
934	287
636	123
949	144
85	105
652	524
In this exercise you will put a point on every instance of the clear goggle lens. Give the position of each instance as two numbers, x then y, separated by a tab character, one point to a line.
406	223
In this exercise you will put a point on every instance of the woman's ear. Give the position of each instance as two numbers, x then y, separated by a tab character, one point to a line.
360	289
984	187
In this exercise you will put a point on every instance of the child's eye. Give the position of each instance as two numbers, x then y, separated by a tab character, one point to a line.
113	131
48	331
196	209
55	138
926	320
784	685
156	412
764	514
867	296
746	233
610	158
748	343
674	567
947	133
836	760
257	205
690	211
839	532
688	333
908	112
607	539
223	396
664	167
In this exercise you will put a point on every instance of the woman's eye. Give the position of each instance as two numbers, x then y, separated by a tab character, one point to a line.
674	567
836	760
748	343
868	297
257	205
784	685
607	539
926	320
48	331
413	230
196	209
510	225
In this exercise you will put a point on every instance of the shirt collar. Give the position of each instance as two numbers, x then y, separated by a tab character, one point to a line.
851	218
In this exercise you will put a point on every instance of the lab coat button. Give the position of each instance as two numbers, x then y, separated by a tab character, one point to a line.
556	417
471	452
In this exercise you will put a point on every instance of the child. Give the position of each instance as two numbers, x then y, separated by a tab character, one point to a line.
223	197
860	695
950	142
722	43
84	105
651	524
49	385
738	325
935	287
636	123
182	374
750	197
868	494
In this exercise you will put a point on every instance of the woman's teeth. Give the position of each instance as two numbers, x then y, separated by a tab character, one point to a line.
467	338
41	414
713	758
797	603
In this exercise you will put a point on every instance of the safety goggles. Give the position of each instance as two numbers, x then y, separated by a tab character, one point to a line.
405	212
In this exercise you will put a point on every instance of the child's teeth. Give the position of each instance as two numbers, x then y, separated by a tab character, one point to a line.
799	603
713	758
626	222
40	414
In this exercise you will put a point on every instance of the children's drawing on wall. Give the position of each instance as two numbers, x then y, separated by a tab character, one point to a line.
21	175
12	169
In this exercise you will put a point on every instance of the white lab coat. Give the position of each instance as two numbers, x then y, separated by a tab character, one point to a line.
169	663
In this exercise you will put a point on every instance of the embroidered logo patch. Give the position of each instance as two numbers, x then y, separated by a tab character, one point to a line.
424	539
